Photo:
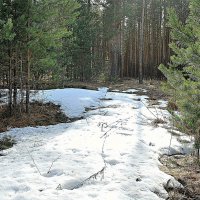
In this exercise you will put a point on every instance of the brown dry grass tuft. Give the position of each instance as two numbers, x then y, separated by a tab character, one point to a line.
187	171
172	106
158	121
41	114
152	86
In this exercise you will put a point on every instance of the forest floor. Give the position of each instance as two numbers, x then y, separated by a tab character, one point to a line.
186	170
41	114
153	87
183	167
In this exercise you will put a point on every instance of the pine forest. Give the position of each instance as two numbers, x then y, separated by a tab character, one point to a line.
96	95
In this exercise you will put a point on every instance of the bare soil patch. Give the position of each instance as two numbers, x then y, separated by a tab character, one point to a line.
41	114
5	143
87	109
186	170
152	87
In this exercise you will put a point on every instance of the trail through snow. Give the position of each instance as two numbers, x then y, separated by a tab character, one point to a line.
51	163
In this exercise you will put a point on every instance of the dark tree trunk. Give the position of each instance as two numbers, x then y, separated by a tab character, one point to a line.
141	47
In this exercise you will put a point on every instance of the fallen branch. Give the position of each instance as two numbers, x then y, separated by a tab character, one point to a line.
93	176
102	125
52	164
30	155
148	109
115	123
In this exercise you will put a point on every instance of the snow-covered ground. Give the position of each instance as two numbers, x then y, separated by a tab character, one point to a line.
111	154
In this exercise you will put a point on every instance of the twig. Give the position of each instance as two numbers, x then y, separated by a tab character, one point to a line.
33	161
156	111
105	134
103	125
144	116
59	187
93	176
86	121
52	164
102	149
171	136
162	114
148	109
114	123
170	143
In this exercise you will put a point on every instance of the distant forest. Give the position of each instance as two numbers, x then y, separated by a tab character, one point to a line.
51	41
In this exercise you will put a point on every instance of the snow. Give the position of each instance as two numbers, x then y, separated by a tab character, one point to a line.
55	162
130	91
72	101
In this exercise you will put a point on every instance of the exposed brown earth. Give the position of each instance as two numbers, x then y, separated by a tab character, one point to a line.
186	170
152	86
41	114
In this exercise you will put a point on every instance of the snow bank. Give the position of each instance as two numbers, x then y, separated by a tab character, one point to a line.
73	101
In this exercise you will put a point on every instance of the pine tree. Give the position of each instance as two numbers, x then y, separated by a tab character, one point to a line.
32	35
86	31
186	82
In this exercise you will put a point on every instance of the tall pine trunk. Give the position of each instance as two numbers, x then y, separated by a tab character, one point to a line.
28	63
141	46
10	94
28	81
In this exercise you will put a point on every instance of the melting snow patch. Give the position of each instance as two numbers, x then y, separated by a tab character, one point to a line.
65	153
130	91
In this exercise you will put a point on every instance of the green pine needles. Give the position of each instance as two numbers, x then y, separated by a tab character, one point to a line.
185	83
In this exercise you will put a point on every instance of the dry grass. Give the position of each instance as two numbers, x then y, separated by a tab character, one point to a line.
87	109
40	115
46	114
158	121
172	106
6	142
152	87
187	171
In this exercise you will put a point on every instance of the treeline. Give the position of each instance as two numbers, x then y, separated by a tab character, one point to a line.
32	34
121	38
56	41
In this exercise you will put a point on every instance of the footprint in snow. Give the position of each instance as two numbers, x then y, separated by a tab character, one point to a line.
113	162
92	195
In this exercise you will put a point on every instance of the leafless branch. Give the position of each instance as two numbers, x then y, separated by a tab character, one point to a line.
93	176
30	155
52	164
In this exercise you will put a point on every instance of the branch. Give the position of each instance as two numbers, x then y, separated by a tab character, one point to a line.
33	161
52	164
93	176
